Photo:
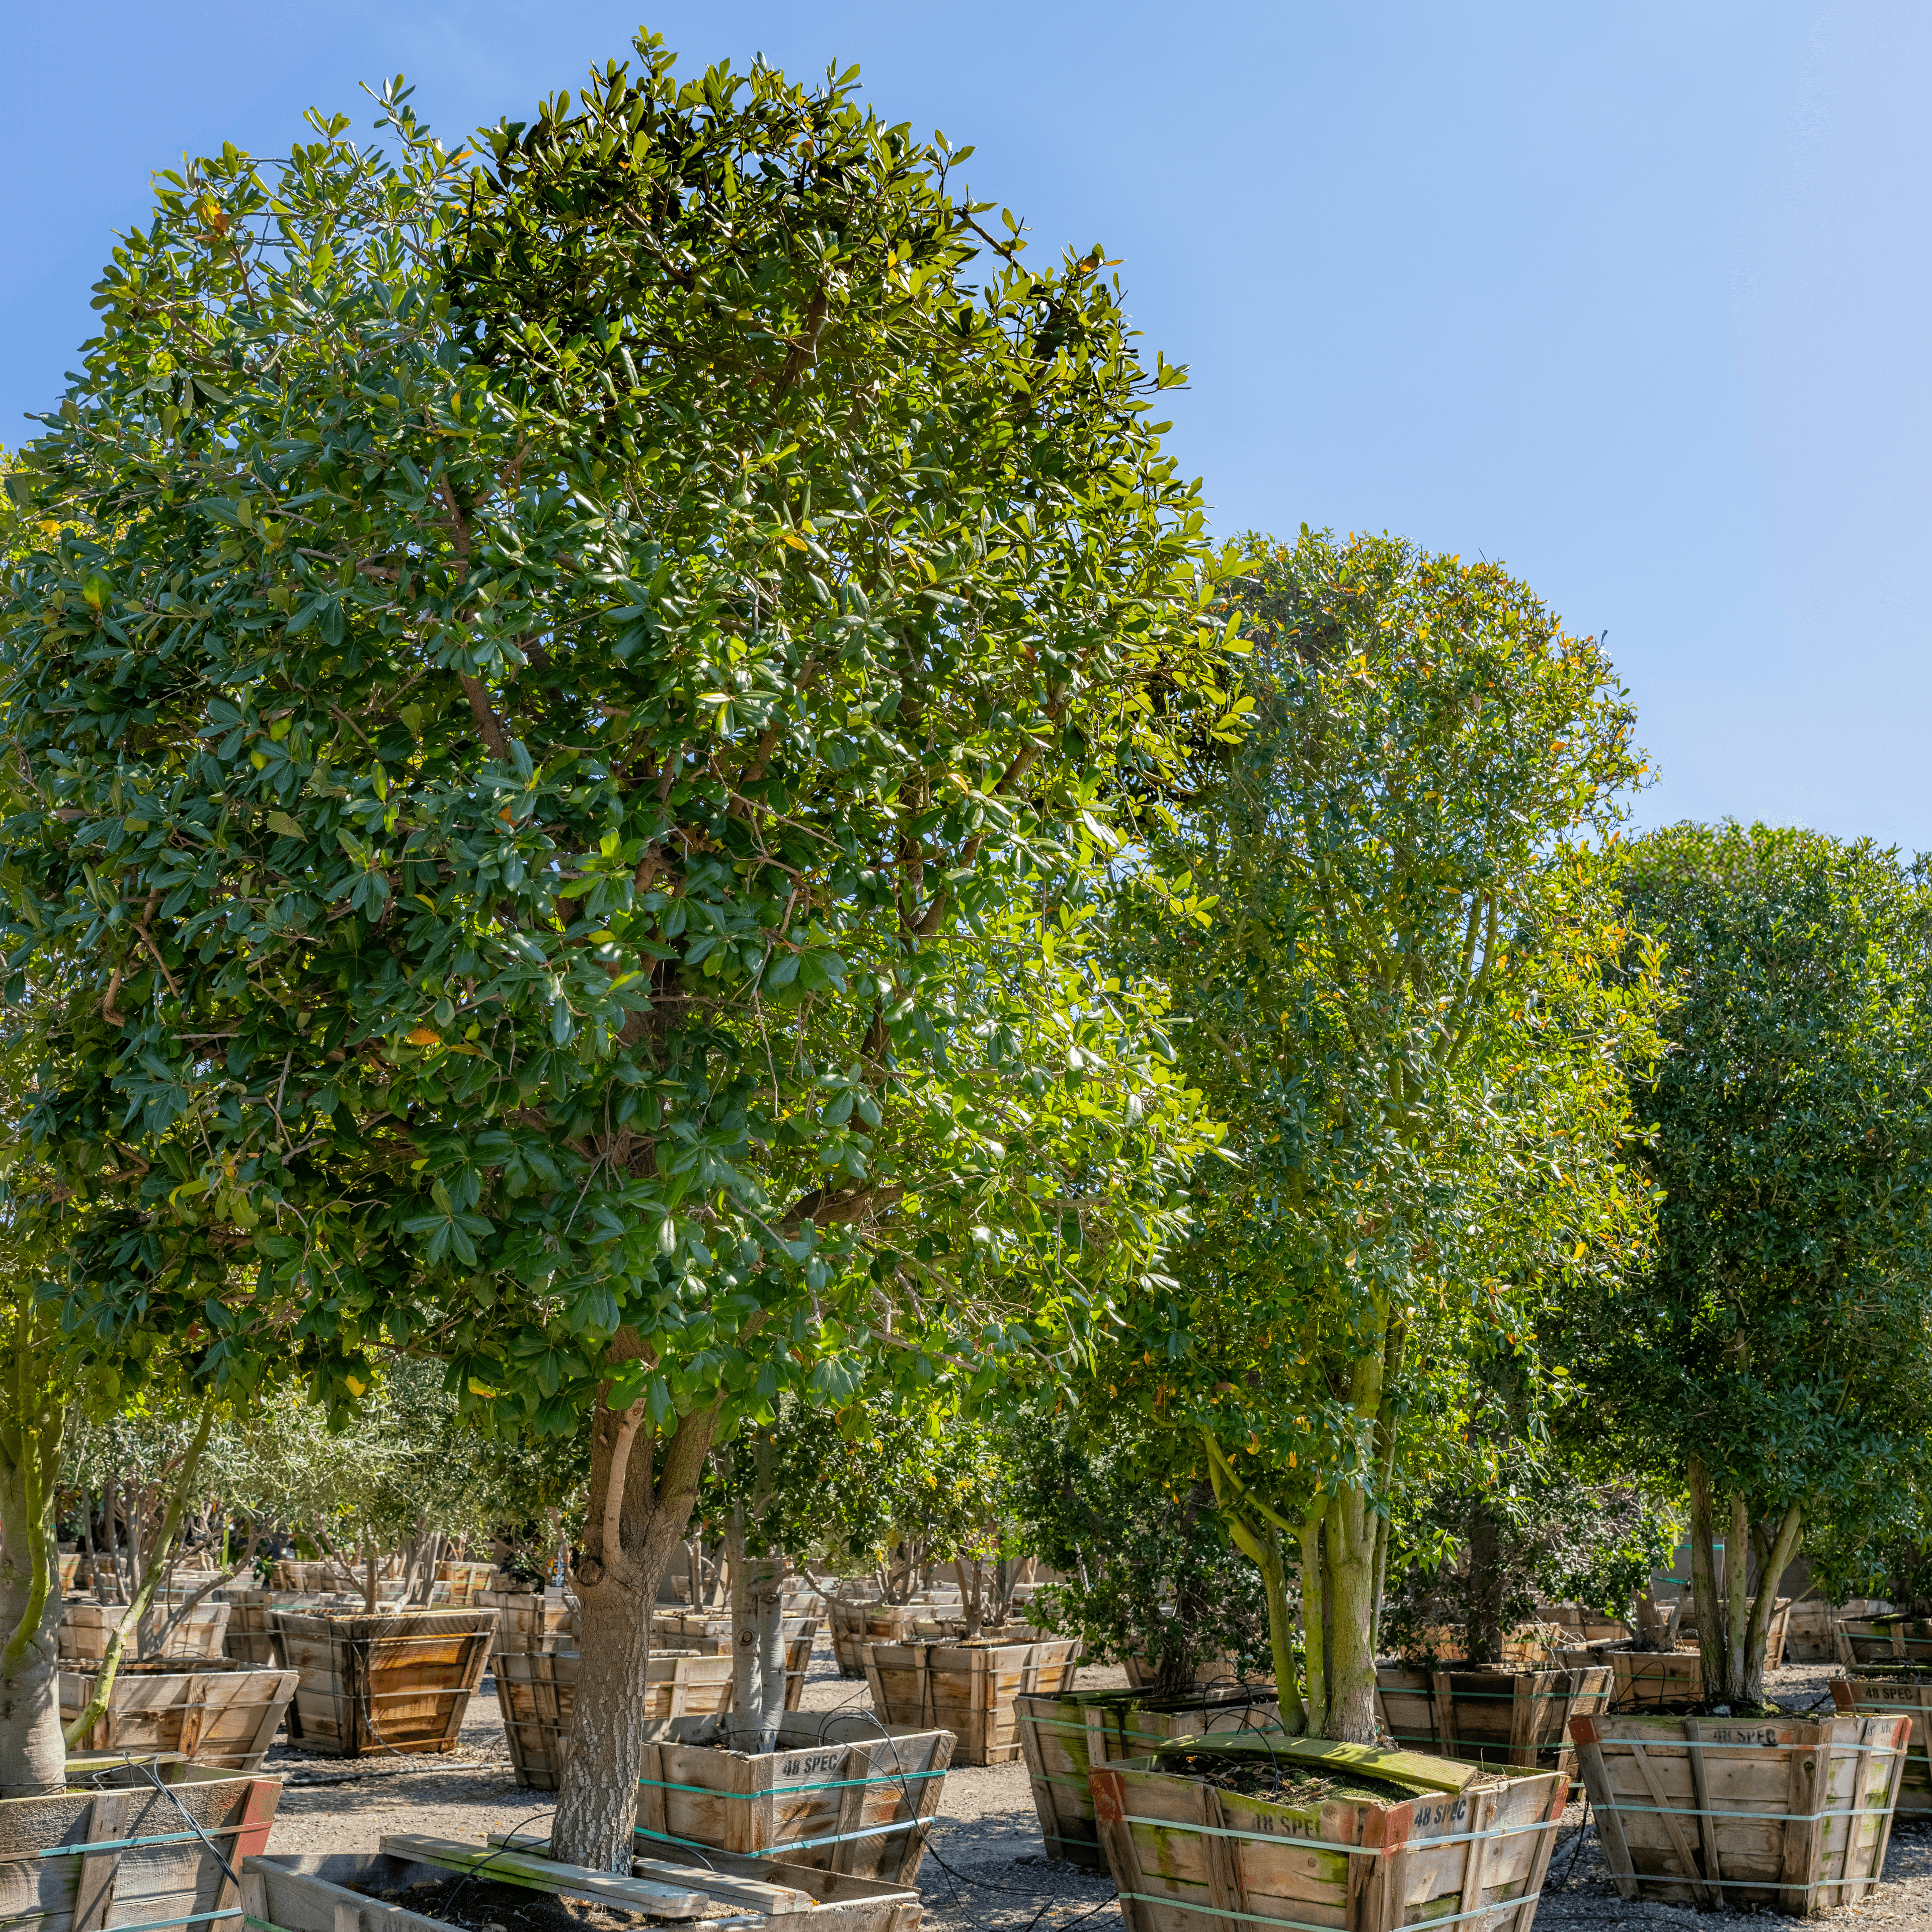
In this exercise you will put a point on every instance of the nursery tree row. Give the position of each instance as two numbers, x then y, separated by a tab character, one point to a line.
634	797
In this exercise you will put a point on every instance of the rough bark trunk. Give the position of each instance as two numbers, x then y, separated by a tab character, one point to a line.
1704	1582
1486	1589
643	1485
32	1756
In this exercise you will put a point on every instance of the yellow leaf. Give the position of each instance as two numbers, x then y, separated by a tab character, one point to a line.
793	538
425	1036
355	1387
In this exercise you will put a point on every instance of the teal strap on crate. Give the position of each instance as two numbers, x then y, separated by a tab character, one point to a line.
776	1851
894	1778
1191	1830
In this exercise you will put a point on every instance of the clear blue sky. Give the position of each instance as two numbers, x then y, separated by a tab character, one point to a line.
1633	298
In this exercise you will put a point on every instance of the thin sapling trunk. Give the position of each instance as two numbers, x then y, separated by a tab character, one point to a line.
134	1618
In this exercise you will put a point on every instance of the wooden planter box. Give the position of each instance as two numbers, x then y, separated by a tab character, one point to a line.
248	1639
1495	1717
465	1579
1786	1813
967	1689
1652	1680
854	1625
1212	1674
85	1628
836	1795
710	1635
349	1891
140	1871
536	1690
527	1620
1063	1737
223	1714
1458	1845
315	1577
1876	1639
1868	1688
399	1681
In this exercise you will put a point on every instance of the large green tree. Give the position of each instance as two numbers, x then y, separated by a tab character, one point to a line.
1778	1353
1390	977
576	725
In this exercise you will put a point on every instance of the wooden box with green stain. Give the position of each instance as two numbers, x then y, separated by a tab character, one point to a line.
1064	1736
1218	1835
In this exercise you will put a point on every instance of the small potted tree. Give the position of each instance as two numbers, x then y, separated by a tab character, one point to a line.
1499	1531
377	1676
1145	1577
1773	1348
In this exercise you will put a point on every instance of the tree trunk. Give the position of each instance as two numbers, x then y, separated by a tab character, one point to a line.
1782	1553
1315	1620
643	1486
1348	1539
1737	1600
32	1756
758	1644
1704	1583
1484	1631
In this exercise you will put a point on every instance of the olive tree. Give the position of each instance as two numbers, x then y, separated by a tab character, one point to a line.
1777	1350
1390	972
575	720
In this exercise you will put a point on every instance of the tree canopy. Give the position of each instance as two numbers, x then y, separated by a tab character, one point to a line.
566	719
1395	991
1777	1350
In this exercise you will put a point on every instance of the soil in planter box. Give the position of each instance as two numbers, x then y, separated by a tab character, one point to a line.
486	1905
1693	1707
1255	1774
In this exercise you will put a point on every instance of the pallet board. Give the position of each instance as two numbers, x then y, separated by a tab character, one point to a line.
1789	1814
399	1681
841	1902
967	1688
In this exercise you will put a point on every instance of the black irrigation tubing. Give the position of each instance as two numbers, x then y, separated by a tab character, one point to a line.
476	1871
955	1877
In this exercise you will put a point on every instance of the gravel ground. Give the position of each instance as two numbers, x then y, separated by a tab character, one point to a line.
985	1870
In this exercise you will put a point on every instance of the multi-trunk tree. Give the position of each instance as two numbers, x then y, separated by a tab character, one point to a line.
1776	1352
1391	979
573	708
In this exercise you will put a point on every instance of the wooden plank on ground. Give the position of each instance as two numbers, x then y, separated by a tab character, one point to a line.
540	1874
752	1894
